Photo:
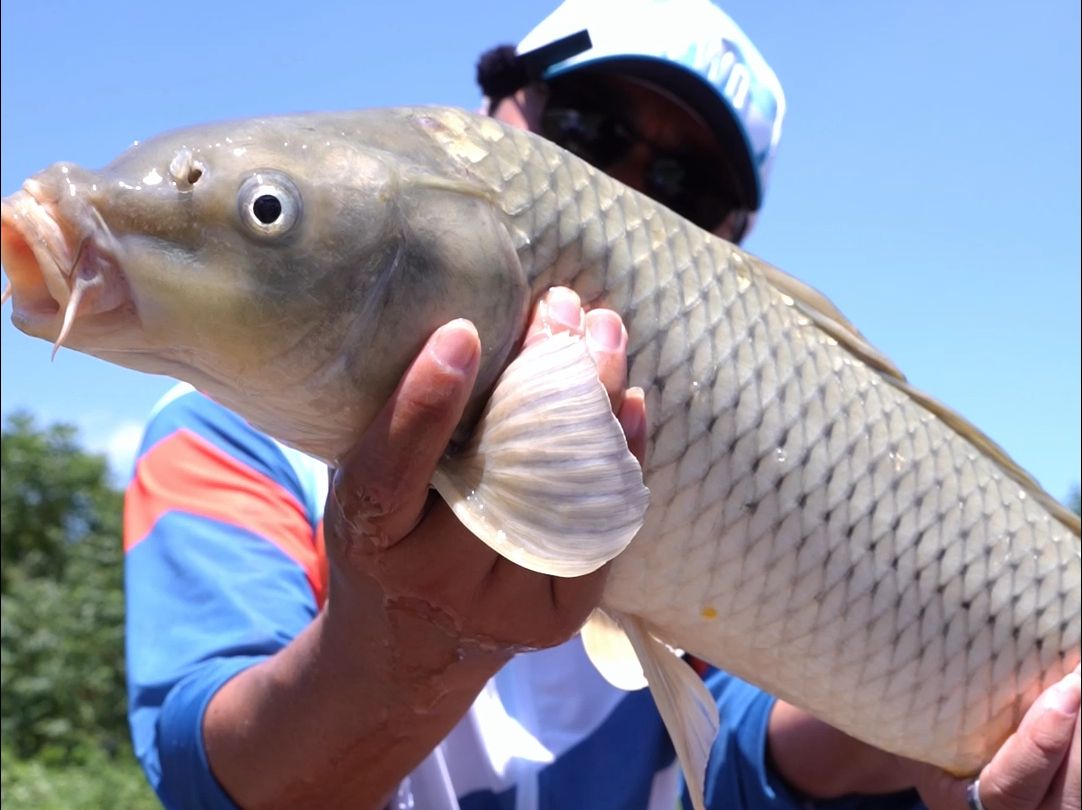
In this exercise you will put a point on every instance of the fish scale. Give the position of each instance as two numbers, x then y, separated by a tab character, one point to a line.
813	528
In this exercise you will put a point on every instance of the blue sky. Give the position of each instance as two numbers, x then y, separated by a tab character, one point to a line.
928	179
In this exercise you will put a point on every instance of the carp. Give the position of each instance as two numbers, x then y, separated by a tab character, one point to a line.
804	518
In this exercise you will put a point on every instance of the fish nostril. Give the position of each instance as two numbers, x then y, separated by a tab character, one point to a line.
185	169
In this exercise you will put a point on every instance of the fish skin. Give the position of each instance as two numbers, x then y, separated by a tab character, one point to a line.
815	526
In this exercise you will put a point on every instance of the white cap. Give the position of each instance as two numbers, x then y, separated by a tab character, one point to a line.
693	50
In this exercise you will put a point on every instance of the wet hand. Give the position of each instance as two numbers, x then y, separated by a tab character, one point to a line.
410	576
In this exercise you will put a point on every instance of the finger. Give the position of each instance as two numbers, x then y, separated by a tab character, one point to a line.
382	484
1019	775
552	607
937	788
559	310
632	416
419	565
490	595
606	340
1066	789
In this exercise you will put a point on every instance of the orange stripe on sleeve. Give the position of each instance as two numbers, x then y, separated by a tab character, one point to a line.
186	473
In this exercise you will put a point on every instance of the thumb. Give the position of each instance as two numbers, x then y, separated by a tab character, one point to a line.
1021	772
381	487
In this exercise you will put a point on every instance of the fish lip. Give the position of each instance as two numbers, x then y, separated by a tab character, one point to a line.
32	247
46	253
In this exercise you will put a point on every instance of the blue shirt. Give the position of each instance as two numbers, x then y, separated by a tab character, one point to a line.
225	566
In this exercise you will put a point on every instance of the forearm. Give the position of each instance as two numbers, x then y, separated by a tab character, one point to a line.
820	762
345	711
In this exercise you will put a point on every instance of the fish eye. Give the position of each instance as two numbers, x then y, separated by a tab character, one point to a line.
267	209
269	204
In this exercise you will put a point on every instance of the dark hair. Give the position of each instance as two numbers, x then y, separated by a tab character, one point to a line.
501	71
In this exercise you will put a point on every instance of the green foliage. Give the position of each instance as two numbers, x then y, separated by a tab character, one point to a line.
1075	501
52	495
98	783
62	676
61	624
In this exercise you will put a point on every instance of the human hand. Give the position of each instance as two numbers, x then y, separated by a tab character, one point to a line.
407	578
1037	768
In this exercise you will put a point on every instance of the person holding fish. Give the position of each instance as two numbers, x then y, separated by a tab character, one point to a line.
294	642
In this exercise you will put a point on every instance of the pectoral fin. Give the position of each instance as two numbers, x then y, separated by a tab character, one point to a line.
685	704
547	479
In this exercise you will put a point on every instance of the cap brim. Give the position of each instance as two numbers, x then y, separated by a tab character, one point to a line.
699	95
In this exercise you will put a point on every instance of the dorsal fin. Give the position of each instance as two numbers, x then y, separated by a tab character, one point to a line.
968	431
819	309
822	312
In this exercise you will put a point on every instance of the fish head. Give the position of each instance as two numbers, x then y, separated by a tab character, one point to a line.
290	267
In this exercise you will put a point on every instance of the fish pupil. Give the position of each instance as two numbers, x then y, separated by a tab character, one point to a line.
267	208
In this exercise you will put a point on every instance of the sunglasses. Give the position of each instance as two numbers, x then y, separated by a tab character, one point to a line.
696	188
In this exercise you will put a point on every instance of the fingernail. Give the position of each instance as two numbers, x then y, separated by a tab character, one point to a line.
632	419
1066	695
564	308
605	330
456	345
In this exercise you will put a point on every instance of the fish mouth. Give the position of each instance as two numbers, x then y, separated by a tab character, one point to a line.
64	278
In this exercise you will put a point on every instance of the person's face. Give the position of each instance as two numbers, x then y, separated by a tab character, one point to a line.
648	140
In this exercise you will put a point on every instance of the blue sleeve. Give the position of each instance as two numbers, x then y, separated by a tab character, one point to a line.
739	775
222	569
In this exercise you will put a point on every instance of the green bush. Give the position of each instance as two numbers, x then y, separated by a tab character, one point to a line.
63	722
98	782
62	671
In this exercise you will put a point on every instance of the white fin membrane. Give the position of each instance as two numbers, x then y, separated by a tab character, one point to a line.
547	479
685	704
611	652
